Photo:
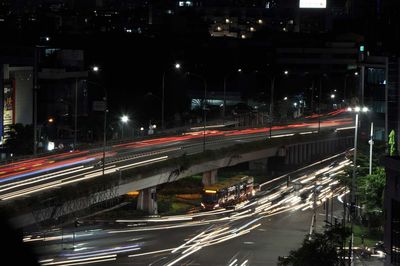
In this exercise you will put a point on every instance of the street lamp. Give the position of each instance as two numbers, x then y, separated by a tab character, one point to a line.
124	120
355	110
103	108
177	67
36	58
204	105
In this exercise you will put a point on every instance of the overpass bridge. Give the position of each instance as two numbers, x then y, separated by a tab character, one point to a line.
284	150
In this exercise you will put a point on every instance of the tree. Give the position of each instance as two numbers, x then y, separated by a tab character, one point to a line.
370	192
320	249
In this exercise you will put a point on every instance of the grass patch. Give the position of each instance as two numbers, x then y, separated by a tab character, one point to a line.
370	238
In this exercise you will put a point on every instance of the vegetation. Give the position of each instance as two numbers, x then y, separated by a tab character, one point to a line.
369	188
319	249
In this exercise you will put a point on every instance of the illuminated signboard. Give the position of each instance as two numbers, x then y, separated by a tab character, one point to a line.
312	3
9	109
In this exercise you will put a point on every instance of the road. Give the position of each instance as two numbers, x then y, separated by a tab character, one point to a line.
23	178
254	232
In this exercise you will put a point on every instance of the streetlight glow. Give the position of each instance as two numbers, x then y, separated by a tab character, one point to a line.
285	99
332	96
95	68
124	119
177	66
286	72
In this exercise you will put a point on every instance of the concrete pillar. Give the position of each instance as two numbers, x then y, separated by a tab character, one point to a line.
210	177
293	155
305	146
296	154
147	200
301	153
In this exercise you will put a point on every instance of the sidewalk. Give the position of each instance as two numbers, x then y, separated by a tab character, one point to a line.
373	260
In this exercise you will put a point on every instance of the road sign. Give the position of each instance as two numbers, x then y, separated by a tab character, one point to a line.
99	106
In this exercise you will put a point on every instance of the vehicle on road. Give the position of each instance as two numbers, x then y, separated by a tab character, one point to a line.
228	192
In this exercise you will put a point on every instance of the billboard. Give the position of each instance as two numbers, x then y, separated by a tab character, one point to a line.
8	108
312	3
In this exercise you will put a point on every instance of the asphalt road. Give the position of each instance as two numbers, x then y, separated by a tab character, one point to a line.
255	232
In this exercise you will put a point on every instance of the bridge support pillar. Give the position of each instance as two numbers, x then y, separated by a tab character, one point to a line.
147	200
210	177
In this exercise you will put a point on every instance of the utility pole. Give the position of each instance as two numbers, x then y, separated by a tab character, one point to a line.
162	101
35	91
224	107
315	204
76	113
271	106
319	105
204	115
371	143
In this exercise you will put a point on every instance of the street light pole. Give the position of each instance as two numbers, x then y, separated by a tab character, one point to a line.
204	115
35	89
104	130
162	101
352	191
76	113
224	107
371	143
319	104
357	110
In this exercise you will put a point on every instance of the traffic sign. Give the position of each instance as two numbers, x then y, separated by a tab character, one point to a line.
99	106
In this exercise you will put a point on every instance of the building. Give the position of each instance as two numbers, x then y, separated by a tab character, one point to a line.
16	83
392	211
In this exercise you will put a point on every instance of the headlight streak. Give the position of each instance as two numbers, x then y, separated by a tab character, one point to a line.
45	170
160	227
87	260
133	165
244	263
233	262
53	184
189	241
103	252
184	256
42	177
150	253
263	208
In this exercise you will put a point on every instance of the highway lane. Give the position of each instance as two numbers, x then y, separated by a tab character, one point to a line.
82	165
188	239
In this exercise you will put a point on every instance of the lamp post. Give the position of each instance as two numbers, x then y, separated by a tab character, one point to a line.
177	66
371	143
204	105
356	110
124	120
96	69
